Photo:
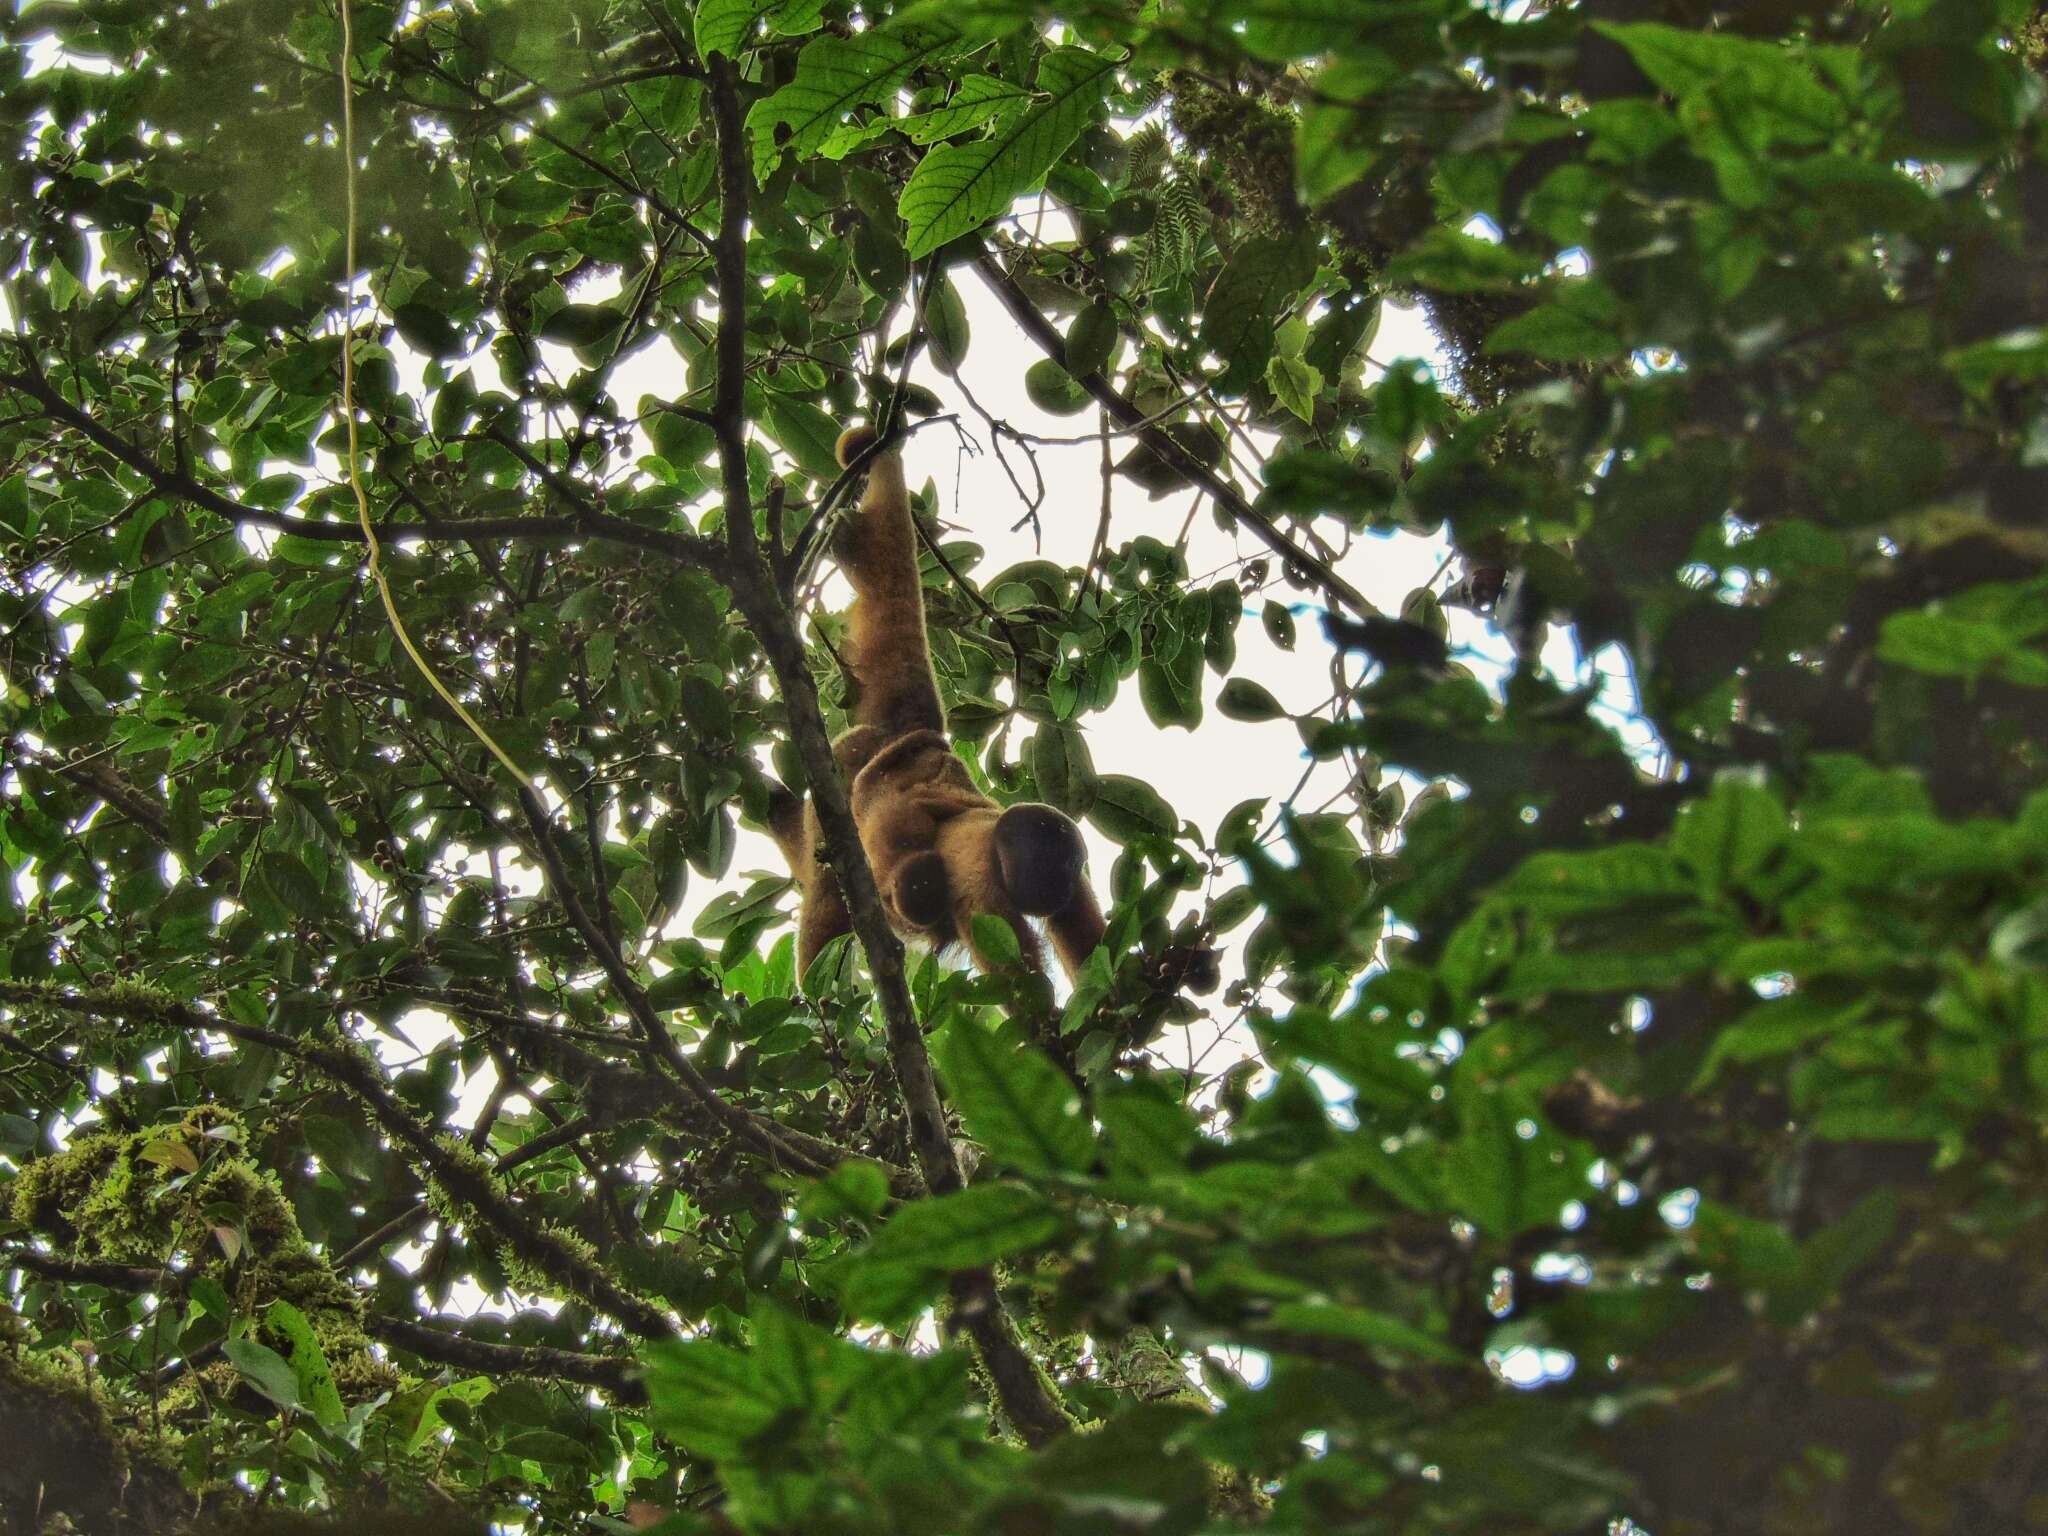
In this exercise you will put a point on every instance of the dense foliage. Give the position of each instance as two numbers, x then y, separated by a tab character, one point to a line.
1645	1141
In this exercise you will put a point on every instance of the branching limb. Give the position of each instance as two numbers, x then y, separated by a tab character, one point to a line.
429	1343
786	1148
465	1177
1040	330
616	1376
1026	1395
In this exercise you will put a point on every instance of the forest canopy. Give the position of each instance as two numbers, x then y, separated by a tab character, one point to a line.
1623	1106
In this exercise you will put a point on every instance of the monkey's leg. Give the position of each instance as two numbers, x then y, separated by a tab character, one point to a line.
886	647
823	919
1077	929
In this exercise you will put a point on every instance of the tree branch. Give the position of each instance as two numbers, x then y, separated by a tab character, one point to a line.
785	1147
588	522
1024	1393
465	1176
447	1348
1242	512
606	1373
68	1468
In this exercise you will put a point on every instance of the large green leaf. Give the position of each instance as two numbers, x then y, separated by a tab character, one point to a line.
1246	301
923	1243
957	188
1014	1101
834	77
309	1364
723	25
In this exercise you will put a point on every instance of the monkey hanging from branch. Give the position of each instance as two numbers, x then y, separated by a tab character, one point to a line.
942	851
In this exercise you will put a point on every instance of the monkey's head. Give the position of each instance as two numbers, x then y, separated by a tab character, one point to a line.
854	442
1041	854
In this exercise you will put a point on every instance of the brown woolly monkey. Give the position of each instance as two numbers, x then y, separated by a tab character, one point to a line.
941	850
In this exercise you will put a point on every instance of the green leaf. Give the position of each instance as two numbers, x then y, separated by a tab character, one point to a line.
1013	1100
265	1370
1148	1129
1298	1325
924	1242
463	1394
723	25
1780	1027
1727	837
995	941
1335	144
1755	81
427	330
1557	334
315	1377
729	911
1054	390
1453	262
293	884
1171	688
581	325
957	188
1127	809
945	318
1092	340
1987	629
709	1397
976	101
210	1297
1295	384
854	1188
1278	623
806	433
1501	1173
835	76
1243	699
2019	355
1062	767
548	1446
1255	287
1628	875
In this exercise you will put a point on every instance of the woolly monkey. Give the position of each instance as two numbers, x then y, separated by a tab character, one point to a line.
941	850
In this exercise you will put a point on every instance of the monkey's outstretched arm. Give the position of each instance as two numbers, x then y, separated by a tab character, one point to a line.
886	649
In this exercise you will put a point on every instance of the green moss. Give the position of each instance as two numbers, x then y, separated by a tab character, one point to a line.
137	1199
1249	141
543	1258
66	1456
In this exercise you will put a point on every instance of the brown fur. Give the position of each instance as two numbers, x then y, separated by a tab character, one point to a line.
941	850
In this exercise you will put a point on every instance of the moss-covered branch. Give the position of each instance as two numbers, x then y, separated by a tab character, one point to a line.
464	1182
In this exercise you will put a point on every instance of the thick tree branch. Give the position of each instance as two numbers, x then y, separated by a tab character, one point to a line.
67	1468
587	522
429	1343
463	1175
616	1376
97	777
1039	329
687	547
655	202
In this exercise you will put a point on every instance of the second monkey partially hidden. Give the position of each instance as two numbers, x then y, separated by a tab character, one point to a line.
941	850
